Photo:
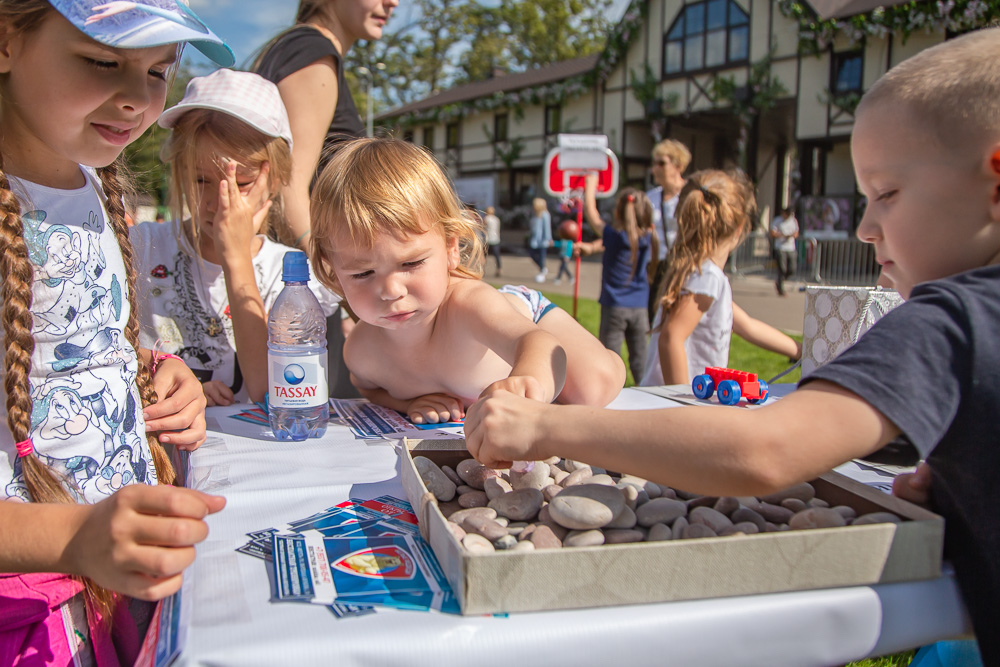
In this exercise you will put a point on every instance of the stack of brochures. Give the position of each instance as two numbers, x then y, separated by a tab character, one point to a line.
353	556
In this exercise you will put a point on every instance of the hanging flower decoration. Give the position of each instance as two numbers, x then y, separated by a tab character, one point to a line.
931	16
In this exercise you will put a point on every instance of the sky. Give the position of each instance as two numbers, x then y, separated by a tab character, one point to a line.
247	24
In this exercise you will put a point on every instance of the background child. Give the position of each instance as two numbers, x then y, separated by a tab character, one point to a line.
697	316
76	393
564	246
492	224
540	237
392	238
628	245
208	281
926	149
784	230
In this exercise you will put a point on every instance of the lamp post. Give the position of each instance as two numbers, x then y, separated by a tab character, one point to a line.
369	82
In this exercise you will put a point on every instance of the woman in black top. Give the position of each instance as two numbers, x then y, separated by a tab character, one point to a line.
306	63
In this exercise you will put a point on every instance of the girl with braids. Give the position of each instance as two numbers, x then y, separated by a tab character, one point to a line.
628	244
79	515
393	239
208	280
697	315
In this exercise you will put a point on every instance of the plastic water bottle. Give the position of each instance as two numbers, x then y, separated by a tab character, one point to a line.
298	395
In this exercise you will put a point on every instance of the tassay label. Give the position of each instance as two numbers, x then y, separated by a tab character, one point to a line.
297	381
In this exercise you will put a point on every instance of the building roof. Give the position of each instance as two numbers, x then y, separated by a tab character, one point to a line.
838	9
499	84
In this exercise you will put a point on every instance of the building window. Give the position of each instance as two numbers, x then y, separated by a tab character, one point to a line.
500	127
451	135
429	137
847	72
553	119
707	34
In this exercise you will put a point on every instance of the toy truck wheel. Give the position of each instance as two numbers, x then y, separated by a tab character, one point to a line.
764	391
729	392
702	386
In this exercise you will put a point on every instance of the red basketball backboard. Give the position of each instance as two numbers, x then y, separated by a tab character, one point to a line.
562	183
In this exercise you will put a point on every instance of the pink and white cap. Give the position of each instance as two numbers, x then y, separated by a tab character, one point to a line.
246	96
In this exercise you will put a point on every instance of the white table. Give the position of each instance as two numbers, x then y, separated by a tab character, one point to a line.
267	483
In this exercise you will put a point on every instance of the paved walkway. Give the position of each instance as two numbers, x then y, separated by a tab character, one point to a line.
756	295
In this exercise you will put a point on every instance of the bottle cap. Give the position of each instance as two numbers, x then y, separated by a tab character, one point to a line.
295	267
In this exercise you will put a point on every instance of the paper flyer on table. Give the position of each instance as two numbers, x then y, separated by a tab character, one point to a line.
397	571
367	420
384	515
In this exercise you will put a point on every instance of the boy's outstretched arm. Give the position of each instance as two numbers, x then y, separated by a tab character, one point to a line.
714	451
763	335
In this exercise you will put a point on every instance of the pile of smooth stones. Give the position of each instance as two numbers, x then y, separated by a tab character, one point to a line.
562	503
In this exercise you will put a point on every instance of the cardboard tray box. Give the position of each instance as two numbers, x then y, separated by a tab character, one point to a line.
684	569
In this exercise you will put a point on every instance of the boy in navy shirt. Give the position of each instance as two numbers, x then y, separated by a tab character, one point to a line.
926	151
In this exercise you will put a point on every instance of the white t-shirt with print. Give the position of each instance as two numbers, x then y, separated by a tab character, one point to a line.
86	421
185	305
708	344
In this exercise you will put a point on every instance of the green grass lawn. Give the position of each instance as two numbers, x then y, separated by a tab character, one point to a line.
742	356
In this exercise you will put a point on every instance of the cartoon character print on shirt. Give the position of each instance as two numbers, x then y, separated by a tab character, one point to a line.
62	410
69	265
88	395
190	327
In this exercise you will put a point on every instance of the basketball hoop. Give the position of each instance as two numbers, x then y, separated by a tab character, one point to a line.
566	169
563	183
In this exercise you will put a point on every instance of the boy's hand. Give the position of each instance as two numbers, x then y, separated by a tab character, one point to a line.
435	409
239	215
139	540
914	486
180	412
527	386
503	428
217	392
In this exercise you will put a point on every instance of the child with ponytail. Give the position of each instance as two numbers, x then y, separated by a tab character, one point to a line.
82	521
628	244
697	315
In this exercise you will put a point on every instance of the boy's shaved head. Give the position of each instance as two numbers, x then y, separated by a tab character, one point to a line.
954	88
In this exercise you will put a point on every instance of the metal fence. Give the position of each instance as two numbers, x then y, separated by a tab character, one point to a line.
828	261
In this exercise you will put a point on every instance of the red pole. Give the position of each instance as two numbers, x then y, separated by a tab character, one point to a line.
579	238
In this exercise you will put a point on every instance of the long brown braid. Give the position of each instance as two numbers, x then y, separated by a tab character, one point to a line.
714	207
114	190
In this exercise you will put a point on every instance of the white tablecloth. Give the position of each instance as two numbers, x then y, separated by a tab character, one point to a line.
267	483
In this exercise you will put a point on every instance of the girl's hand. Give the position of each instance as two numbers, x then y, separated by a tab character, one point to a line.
914	486
217	393
239	215
503	428
180	412
527	386
139	540
435	409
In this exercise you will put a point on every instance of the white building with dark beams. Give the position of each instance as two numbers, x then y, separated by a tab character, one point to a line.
767	85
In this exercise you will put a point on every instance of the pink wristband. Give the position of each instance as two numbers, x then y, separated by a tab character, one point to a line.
160	356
